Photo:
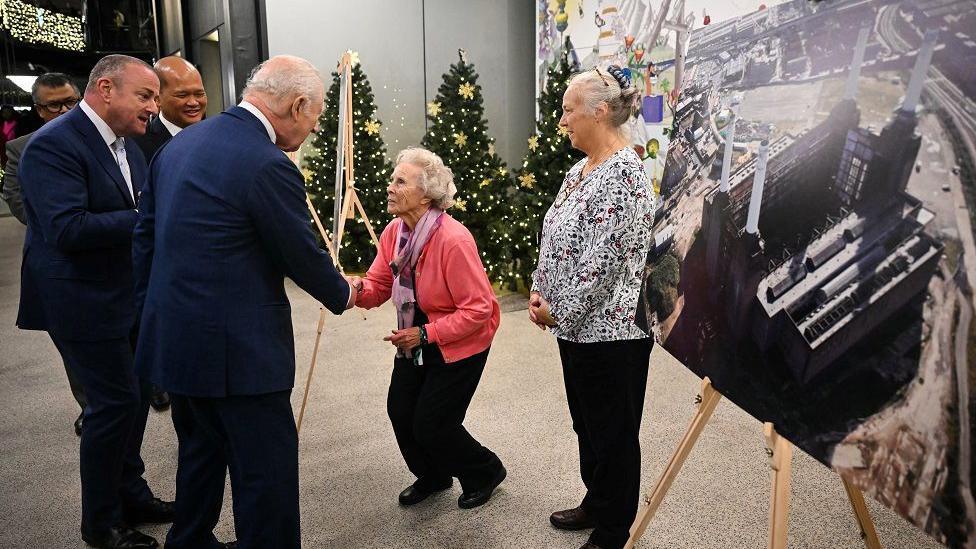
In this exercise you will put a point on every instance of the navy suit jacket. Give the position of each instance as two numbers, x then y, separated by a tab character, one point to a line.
155	137
222	222
76	275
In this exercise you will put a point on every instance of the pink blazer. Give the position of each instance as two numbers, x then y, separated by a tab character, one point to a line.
452	289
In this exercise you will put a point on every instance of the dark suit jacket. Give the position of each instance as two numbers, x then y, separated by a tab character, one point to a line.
155	137
76	277
222	222
11	185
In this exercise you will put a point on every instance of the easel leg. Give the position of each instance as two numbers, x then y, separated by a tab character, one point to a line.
780	453
707	401
311	369
864	522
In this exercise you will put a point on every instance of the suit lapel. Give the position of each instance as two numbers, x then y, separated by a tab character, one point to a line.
93	140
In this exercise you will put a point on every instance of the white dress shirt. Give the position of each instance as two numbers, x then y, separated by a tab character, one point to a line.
249	107
172	128
115	144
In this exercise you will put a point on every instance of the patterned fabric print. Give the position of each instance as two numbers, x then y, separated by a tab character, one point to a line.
593	248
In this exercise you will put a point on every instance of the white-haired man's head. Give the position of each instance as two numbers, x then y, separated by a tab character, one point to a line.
289	91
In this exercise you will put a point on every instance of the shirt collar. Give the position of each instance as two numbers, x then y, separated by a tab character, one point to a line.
171	127
249	107
106	132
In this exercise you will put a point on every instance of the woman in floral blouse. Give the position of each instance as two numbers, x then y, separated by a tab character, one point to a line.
595	240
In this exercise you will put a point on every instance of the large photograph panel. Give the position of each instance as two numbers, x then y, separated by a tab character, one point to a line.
815	244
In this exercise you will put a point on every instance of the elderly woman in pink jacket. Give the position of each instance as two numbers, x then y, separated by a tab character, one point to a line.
447	316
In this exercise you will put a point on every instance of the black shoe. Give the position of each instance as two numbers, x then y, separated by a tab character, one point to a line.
151	511
159	399
421	490
470	500
572	519
121	537
229	545
78	422
590	545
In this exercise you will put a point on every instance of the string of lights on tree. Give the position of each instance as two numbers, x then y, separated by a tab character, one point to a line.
549	157
458	133
34	25
371	168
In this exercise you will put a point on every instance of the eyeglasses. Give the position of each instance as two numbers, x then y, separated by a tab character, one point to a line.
56	106
605	83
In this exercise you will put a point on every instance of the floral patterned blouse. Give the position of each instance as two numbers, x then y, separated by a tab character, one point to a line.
594	245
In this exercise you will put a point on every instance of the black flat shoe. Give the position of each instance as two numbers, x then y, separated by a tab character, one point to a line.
470	500
78	422
229	545
151	511
419	491
159	399
121	537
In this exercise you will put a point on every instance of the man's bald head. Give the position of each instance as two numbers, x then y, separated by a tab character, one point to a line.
182	98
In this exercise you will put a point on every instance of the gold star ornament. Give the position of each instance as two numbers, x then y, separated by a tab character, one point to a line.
466	90
461	205
372	127
502	171
562	131
527	180
434	108
533	143
307	173
484	182
460	139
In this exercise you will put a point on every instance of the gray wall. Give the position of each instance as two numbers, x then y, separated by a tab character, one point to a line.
396	39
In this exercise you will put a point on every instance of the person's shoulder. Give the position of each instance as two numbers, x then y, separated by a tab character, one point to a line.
628	169
454	232
17	145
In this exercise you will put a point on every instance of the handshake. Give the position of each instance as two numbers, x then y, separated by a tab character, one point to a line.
356	288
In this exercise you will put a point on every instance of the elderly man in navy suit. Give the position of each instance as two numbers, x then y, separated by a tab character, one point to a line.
222	222
81	181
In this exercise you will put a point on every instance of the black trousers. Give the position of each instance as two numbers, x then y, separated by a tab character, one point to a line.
77	390
605	384
254	436
427	405
115	420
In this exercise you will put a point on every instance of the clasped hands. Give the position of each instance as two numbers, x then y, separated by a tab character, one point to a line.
539	311
405	339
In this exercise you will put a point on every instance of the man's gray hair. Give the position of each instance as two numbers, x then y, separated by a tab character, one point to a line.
286	76
111	67
51	80
436	179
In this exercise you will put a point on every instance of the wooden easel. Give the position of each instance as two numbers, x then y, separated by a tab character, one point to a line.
780	453
349	203
346	200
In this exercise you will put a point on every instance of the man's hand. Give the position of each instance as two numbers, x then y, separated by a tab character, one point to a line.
356	285
405	339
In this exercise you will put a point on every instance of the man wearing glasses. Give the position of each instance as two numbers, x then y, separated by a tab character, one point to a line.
54	94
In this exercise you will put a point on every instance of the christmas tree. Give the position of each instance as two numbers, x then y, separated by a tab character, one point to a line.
549	158
371	168
458	133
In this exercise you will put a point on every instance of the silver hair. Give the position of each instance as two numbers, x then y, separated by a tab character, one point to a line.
436	179
111	67
294	77
598	86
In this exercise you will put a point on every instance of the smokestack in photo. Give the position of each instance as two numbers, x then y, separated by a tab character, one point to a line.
758	183
920	72
862	41
723	186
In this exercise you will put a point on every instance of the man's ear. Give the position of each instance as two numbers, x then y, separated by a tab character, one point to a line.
298	105
105	87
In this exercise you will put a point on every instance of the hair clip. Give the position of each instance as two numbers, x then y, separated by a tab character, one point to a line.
620	75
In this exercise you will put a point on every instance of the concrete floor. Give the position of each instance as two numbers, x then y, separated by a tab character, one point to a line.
351	470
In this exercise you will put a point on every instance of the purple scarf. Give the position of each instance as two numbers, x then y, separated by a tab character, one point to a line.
408	248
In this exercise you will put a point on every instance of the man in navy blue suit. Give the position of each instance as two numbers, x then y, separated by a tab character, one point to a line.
222	222
81	184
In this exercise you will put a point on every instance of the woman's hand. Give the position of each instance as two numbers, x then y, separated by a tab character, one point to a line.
539	311
405	339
